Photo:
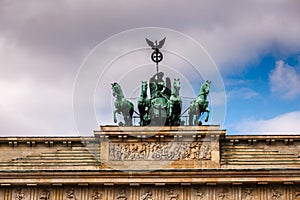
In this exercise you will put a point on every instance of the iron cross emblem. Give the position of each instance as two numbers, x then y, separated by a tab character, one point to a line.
156	56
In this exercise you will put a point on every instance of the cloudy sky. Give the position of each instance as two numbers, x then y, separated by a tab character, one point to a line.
255	45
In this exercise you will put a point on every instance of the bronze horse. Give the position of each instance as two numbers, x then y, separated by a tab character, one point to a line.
200	105
144	105
122	105
175	105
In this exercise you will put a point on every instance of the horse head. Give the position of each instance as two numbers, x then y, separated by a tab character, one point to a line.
204	89
176	84
144	89
116	89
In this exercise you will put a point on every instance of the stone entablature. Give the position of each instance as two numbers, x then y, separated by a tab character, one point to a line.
261	151
190	162
39	153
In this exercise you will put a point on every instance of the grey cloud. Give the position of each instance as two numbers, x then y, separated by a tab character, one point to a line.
46	41
71	28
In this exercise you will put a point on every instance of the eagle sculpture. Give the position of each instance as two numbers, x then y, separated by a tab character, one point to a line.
156	46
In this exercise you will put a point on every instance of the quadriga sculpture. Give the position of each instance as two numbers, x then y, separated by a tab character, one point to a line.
164	107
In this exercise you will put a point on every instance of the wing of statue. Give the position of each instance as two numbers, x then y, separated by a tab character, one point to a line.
150	43
161	43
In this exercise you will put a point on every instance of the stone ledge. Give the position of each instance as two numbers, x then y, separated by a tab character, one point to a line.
166	177
149	131
45	141
158	128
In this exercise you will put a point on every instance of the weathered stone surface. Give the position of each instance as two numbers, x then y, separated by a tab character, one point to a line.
260	152
155	148
188	162
171	192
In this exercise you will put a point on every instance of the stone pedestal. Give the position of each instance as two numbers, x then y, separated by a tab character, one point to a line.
159	148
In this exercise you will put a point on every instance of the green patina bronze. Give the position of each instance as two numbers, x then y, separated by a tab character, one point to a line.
164	107
122	105
160	93
175	105
161	109
144	105
200	105
158	87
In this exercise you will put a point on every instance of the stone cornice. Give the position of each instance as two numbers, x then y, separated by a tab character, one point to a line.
166	177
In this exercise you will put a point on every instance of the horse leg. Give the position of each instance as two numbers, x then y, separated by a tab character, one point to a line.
197	118
142	119
128	120
115	117
129	114
207	114
179	114
170	117
175	118
177	121
142	114
191	116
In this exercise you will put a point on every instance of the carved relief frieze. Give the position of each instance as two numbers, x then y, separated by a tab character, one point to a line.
224	193
44	194
19	194
297	193
168	151
249	193
199	193
276	193
70	194
148	195
121	194
96	195
152	192
171	194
